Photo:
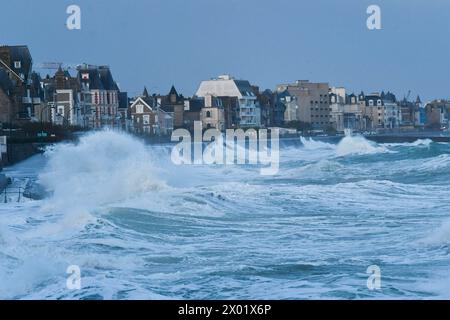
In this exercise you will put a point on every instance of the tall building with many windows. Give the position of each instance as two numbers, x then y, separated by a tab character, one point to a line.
311	101
98	83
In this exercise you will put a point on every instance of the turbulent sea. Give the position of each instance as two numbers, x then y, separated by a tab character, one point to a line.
140	227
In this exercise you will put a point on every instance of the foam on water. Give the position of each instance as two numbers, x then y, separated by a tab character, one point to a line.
140	227
102	168
358	145
417	143
349	145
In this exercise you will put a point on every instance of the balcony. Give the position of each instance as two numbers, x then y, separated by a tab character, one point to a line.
27	100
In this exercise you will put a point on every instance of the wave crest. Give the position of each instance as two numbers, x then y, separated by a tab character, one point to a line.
103	167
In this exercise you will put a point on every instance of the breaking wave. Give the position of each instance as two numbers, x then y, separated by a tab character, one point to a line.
349	145
102	168
140	227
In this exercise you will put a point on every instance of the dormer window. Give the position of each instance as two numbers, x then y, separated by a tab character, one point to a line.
371	103
17	64
379	102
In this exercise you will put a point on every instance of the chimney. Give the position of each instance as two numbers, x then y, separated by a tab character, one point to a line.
208	101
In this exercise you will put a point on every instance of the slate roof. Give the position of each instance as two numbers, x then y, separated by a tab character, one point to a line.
123	100
107	78
22	54
244	87
196	104
100	78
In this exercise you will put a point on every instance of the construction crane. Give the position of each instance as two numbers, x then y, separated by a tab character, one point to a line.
55	66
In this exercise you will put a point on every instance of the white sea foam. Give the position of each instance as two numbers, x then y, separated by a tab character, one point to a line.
349	145
311	144
417	143
441	235
102	168
312	237
358	145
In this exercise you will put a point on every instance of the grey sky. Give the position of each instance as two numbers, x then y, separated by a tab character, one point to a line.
158	43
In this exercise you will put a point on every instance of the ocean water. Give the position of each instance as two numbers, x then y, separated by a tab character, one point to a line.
140	227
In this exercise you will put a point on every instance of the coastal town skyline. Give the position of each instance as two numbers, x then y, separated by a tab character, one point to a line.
224	155
146	50
89	97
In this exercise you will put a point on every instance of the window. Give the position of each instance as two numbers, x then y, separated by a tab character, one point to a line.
140	108
146	119
208	114
371	103
379	102
17	64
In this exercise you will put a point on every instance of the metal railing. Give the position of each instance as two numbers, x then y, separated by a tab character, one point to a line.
7	191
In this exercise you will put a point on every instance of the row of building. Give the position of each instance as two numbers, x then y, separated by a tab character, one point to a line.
90	98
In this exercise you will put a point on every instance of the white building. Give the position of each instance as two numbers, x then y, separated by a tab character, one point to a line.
346	112
248	112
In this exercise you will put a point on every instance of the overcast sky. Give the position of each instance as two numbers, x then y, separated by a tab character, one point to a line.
158	43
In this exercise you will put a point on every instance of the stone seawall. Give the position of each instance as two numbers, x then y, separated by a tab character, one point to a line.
20	151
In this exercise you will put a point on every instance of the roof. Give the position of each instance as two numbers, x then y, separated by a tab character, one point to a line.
173	91
99	78
107	78
19	53
226	86
196	104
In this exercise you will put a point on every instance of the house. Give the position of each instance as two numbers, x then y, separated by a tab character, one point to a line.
212	113
62	107
149	116
16	65
192	112
143	114
346	112
6	102
437	114
123	110
173	103
98	83
279	108
392	113
266	102
241	105
290	106
420	113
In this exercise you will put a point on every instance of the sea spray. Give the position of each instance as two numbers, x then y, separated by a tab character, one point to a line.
215	231
349	145
358	145
103	167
